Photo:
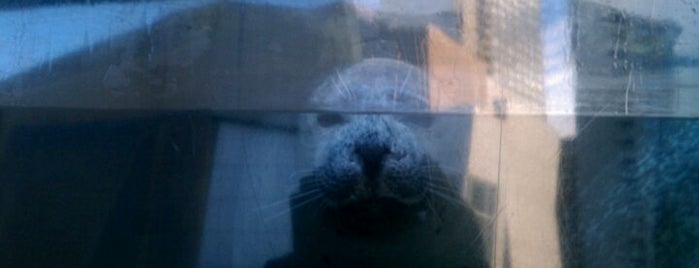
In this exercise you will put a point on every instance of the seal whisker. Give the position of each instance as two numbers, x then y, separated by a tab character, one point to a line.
450	170
344	85
286	199
490	222
297	206
310	184
444	189
399	91
306	193
340	90
447	197
431	207
300	174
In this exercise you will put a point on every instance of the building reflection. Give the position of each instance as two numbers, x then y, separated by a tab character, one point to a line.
495	66
553	183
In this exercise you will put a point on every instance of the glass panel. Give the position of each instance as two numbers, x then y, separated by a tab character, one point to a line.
355	133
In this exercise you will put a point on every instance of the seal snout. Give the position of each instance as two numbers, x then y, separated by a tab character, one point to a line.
372	158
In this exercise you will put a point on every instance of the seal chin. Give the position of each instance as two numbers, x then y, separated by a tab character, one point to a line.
351	199
373	216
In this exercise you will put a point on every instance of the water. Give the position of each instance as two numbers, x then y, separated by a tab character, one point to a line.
102	188
125	188
183	134
630	188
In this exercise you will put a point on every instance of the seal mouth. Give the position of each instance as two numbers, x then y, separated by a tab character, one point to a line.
344	190
373	216
376	203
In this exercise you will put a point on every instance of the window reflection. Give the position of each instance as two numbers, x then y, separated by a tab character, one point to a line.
133	130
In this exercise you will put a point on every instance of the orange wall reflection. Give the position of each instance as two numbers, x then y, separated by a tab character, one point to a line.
515	156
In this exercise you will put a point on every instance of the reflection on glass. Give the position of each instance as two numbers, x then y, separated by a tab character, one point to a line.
450	133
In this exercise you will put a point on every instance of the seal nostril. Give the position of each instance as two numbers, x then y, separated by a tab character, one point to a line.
372	158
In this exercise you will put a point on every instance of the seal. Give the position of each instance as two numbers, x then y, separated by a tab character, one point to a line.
375	198
372	150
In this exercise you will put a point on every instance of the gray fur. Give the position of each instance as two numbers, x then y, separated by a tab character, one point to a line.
383	202
374	85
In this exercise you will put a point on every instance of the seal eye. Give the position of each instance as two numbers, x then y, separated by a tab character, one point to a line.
330	119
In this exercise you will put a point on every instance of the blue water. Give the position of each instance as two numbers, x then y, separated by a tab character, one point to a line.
96	188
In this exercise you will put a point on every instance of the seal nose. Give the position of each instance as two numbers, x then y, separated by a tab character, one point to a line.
371	157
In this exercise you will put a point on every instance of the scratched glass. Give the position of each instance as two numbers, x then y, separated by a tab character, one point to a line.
349	133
